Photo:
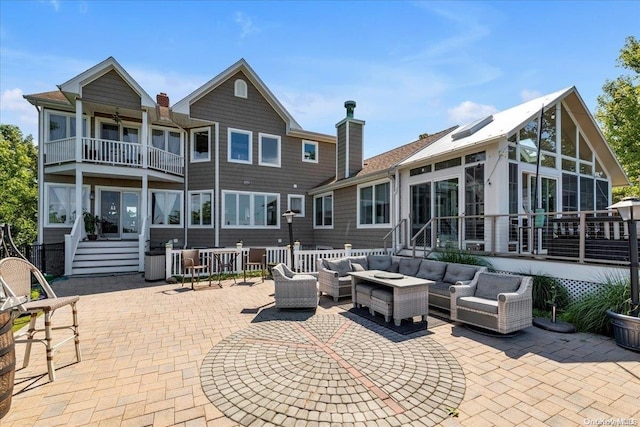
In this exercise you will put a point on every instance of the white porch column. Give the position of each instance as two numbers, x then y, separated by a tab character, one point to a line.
144	207
145	141
79	199
78	130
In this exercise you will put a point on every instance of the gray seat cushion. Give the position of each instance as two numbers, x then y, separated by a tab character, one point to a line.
480	304
490	285
440	288
366	288
344	281
432	270
342	266
379	262
409	266
457	272
382	294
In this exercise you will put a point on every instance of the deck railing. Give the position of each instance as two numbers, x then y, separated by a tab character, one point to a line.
112	153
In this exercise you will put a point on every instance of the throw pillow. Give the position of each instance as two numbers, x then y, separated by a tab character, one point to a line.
394	268
361	260
409	266
457	272
490	285
379	262
432	270
342	266
357	267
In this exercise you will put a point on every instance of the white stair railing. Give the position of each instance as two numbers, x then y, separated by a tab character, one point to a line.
71	242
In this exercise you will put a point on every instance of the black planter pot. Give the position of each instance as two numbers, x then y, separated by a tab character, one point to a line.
626	330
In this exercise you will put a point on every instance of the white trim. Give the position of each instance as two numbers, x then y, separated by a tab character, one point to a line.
373	184
217	213
166	130
123	124
324	227
240	88
302	210
316	145
98	189
250	148
251	212
279	145
346	151
192	133
180	194
86	204
68	115
189	208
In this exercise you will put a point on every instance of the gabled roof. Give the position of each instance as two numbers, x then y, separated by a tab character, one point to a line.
506	122
383	163
182	106
74	86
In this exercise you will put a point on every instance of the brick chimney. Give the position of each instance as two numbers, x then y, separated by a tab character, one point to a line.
162	99
349	144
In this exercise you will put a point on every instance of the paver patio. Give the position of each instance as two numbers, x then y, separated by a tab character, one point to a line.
152	355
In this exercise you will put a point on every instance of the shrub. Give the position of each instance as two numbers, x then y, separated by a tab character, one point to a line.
589	313
461	257
546	291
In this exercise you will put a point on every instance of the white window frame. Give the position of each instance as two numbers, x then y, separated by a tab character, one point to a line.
373	185
190	208
166	224
231	131
192	133
166	131
301	214
252	210
315	200
123	124
315	144
71	217
278	140
68	116
240	88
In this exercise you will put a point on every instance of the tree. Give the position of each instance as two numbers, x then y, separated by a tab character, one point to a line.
19	184
619	115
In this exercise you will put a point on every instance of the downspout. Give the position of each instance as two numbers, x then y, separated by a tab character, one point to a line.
217	220
398	206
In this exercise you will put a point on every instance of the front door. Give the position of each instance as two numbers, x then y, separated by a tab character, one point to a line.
119	214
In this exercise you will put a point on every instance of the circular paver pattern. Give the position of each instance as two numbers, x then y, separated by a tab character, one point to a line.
329	368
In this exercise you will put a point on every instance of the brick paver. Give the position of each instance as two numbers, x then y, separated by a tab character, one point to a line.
150	351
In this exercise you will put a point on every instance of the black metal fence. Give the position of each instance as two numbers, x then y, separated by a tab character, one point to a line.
49	258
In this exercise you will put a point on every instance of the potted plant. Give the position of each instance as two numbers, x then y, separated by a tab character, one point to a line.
90	222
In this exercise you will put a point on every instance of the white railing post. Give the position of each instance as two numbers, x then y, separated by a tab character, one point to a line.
168	259
347	249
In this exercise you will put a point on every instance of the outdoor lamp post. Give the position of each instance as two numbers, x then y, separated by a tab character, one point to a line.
629	210
289	216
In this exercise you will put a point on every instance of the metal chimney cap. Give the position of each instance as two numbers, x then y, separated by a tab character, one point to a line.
350	105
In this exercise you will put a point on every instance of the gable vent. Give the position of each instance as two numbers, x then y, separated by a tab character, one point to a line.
471	128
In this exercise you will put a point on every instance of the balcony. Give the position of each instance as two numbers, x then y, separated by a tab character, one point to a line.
113	153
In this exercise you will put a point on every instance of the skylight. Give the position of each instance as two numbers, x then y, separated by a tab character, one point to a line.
471	128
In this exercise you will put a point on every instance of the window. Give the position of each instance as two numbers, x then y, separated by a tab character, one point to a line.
244	210
61	204
586	193
475	157
119	132
240	88
200	145
295	203
239	146
166	208
167	139
310	151
323	208
269	150
448	164
62	126
569	193
374	204
420	170
200	208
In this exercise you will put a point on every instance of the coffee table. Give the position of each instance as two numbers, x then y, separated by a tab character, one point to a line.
410	294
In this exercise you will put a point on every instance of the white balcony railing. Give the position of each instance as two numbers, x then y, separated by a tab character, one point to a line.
113	153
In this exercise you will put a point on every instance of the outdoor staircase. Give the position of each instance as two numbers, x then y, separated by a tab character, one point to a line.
106	257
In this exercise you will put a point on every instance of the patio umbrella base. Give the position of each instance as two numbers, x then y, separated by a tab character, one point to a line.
557	326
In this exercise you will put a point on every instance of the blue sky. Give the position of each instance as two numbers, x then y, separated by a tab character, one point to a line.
412	67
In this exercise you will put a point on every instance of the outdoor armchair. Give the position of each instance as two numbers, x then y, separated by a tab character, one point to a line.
193	265
255	257
294	290
498	302
16	277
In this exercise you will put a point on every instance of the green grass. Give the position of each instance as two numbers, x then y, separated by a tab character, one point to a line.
19	322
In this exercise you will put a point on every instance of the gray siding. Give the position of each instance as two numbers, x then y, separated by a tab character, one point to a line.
355	148
341	151
111	89
255	114
345	224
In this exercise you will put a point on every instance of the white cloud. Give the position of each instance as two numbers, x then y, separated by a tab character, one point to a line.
55	4
529	94
12	100
246	25
468	111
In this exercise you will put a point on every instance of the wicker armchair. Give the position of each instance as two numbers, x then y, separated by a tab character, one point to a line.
294	290
498	302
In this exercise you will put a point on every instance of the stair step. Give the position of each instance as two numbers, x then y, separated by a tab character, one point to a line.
105	270
106	256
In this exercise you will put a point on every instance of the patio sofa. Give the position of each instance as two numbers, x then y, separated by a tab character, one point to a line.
334	279
497	302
